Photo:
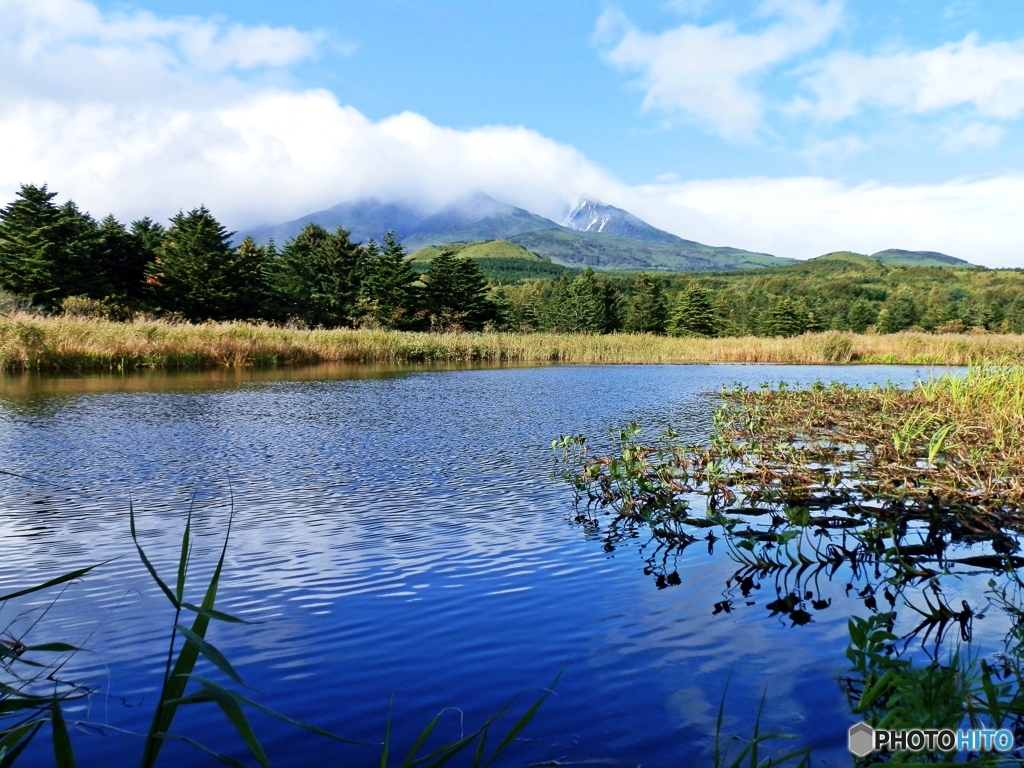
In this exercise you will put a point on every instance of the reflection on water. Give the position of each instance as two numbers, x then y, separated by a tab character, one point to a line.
402	531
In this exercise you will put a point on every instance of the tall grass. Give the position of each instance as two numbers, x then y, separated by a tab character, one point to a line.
35	343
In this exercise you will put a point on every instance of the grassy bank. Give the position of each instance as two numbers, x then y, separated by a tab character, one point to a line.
29	342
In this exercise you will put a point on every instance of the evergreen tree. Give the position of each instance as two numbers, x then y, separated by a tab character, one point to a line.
693	313
456	293
583	304
612	305
121	259
648	310
319	276
900	312
785	317
938	309
388	289
196	271
861	315
45	249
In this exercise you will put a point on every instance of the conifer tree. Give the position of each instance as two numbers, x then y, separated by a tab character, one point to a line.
319	276
196	271
456	293
648	310
121	259
45	249
388	289
785	317
693	313
900	311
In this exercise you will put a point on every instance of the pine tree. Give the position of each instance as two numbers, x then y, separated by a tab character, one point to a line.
319	276
785	317
586	304
899	313
648	310
456	293
693	313
197	273
46	250
861	315
121	259
388	289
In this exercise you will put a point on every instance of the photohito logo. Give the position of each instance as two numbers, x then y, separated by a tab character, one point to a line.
864	740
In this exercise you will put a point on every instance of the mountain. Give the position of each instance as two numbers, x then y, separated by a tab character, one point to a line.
501	262
597	235
477	217
591	216
919	258
363	218
891	257
602	251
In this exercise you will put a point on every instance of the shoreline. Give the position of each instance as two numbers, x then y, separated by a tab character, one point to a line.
67	344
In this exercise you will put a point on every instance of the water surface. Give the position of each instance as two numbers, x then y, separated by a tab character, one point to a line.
399	531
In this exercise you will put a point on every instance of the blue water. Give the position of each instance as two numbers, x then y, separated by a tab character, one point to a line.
400	542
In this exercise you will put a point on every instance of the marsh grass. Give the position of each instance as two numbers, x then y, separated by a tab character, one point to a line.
37	343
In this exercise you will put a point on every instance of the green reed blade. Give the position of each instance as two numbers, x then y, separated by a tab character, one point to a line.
15	742
186	661
236	717
53	648
7	653
211	614
186	551
424	735
62	752
522	722
203	748
145	560
70	576
387	735
480	748
243	699
211	653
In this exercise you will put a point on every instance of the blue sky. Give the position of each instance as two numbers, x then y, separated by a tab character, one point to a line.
790	126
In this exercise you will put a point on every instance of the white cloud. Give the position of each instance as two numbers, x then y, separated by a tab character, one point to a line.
972	135
804	217
989	78
256	154
66	50
705	72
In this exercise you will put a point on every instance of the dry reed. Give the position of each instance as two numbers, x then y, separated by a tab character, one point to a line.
31	342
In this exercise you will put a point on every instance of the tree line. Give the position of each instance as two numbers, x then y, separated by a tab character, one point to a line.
56	257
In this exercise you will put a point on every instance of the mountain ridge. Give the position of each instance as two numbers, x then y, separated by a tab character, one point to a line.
592	234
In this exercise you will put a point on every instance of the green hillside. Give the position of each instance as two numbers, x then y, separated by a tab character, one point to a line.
502	262
601	251
918	258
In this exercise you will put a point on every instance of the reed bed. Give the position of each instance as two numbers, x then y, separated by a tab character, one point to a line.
35	343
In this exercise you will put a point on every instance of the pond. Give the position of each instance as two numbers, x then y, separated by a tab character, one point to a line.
403	544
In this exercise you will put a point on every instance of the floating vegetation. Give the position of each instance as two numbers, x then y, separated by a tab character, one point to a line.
895	491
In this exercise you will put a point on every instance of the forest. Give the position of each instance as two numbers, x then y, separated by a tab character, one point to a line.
58	259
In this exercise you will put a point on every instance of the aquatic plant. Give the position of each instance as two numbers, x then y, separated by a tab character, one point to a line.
753	748
881	484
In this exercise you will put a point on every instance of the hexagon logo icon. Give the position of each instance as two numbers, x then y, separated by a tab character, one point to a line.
862	739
